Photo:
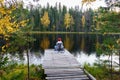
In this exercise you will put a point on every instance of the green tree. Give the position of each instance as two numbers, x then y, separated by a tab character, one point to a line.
108	23
36	19
15	21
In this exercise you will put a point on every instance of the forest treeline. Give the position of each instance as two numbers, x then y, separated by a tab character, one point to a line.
59	18
16	23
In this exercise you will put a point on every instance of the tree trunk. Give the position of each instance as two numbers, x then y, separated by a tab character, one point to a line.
111	68
119	63
119	59
28	64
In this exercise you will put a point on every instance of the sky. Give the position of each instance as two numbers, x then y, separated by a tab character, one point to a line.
68	3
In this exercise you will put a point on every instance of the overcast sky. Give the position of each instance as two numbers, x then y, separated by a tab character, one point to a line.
68	3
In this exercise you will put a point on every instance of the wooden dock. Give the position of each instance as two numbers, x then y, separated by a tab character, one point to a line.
62	66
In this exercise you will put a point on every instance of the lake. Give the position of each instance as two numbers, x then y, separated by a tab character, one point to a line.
82	46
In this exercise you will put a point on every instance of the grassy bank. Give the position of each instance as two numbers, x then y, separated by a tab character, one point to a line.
102	73
19	72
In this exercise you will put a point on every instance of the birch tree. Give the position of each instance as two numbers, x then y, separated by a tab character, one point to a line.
68	20
45	19
8	23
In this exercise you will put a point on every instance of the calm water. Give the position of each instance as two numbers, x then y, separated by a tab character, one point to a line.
82	46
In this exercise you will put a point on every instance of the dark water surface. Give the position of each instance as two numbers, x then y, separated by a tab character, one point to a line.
82	46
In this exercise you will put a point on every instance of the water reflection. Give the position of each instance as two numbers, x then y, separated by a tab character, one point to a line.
45	43
82	46
72	42
34	57
83	58
68	42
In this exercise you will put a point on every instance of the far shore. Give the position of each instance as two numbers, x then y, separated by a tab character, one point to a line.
60	32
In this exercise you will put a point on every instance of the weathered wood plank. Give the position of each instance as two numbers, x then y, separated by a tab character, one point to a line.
59	59
61	71
70	77
64	74
62	66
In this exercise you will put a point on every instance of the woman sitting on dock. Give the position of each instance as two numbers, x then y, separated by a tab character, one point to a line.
59	45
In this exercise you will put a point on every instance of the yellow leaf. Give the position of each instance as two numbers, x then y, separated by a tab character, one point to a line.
118	41
3	48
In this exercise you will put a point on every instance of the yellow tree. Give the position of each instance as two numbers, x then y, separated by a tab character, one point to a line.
68	20
8	23
87	2
83	21
45	19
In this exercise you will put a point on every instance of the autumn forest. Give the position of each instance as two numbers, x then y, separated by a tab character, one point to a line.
18	23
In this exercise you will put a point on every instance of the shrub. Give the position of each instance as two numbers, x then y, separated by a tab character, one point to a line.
19	72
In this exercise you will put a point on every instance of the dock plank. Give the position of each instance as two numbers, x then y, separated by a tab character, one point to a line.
62	66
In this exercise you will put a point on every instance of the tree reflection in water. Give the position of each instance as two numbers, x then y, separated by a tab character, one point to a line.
80	45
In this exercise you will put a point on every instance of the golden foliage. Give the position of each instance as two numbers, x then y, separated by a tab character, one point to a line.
1	1
87	1
97	45
68	20
7	22
83	20
82	46
45	43
3	48
68	43
118	41
45	19
97	26
111	47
